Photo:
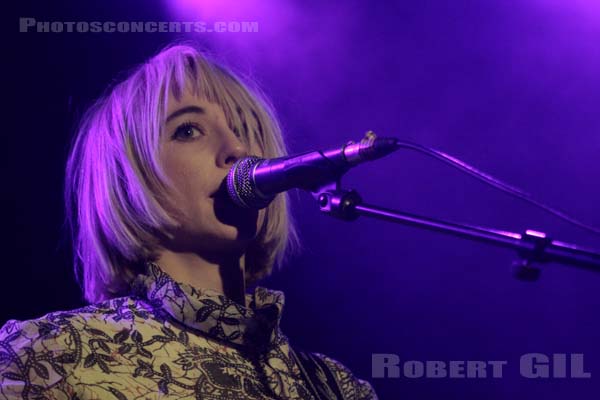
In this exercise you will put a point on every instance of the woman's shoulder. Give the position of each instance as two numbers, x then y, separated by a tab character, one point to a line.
51	329
41	353
124	310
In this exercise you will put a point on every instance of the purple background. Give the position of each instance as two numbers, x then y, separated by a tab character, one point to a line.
512	87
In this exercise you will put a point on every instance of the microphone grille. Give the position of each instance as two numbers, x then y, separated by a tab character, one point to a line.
241	187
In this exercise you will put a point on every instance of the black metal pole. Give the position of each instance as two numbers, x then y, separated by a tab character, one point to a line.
552	250
532	246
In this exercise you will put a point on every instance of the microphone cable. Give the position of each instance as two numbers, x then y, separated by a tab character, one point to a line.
497	183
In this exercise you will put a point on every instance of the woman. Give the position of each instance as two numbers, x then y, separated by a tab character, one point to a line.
164	258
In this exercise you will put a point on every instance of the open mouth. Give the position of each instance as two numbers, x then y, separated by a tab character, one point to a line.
231	214
221	192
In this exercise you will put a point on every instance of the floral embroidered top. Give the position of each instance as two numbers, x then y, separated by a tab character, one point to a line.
167	340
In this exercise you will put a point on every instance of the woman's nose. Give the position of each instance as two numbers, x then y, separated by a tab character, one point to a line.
232	149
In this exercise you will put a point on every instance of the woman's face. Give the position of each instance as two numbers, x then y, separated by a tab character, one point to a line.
197	151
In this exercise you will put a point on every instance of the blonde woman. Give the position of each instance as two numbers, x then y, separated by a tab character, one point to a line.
164	258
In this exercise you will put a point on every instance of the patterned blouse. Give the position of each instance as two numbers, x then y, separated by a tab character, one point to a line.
167	340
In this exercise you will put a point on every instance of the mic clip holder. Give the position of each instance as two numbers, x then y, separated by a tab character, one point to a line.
336	202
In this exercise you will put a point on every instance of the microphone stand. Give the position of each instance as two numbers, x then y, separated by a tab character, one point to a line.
531	246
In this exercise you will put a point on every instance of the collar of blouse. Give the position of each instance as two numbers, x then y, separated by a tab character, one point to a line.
212	313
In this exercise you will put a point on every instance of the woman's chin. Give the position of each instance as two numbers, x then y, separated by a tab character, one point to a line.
236	235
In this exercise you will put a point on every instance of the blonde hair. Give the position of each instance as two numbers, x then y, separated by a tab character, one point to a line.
115	190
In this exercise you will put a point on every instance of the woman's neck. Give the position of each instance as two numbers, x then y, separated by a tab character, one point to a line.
225	275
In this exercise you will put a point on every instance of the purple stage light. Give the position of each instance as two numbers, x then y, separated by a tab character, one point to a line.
219	10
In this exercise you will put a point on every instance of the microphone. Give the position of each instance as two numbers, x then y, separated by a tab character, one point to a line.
253	182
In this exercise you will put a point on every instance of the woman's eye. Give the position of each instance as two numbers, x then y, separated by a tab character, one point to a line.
187	131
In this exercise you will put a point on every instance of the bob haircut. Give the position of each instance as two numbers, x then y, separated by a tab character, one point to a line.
115	190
